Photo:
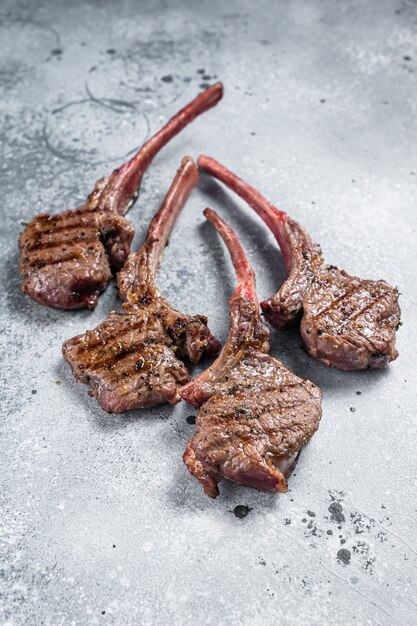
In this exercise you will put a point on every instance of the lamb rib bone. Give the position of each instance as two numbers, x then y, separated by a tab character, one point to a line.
254	414
134	359
68	259
347	322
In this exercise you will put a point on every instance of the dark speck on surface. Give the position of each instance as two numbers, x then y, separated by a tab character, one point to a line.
406	57
56	51
167	79
330	532
344	555
336	512
111	51
311	513
204	85
206	77
358	393
241	511
190	419
201	71
304	520
352	409
34	391
322	100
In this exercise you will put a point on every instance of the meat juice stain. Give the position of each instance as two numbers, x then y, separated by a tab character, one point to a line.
336	513
241	511
343	556
190	419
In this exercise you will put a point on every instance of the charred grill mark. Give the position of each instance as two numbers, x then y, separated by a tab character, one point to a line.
73	219
109	333
43	263
133	368
75	253
374	301
113	358
332	305
40	246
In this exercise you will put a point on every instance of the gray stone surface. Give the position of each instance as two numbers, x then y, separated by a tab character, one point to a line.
101	523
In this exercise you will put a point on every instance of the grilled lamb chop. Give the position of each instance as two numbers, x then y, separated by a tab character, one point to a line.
347	322
67	260
255	414
134	359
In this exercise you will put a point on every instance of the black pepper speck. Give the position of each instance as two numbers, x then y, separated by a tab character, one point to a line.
241	511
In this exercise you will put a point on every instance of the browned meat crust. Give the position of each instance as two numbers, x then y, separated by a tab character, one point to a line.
134	360
255	414
67	260
347	322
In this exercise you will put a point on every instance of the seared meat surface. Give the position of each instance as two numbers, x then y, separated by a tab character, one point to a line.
347	322
255	415
67	260
134	359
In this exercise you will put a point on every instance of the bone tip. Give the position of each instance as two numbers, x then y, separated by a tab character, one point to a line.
210	214
188	164
219	88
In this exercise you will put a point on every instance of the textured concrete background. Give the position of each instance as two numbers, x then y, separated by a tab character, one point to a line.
101	523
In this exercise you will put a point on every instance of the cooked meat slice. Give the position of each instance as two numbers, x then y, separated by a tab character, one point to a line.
134	359
347	322
68	259
255	415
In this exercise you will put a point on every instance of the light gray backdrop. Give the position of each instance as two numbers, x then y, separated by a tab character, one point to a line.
101	523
